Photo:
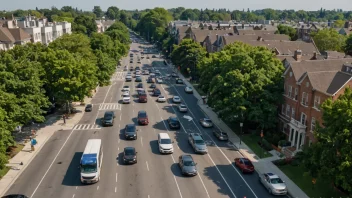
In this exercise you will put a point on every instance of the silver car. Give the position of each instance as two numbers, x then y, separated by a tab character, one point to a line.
182	108
273	183
187	165
197	142
176	99
206	122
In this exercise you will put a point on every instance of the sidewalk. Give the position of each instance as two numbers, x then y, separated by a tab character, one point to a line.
264	165
42	136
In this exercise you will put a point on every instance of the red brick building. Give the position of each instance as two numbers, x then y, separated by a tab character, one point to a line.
308	84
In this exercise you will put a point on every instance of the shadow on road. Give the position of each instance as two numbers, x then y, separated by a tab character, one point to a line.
160	125
154	147
72	176
175	169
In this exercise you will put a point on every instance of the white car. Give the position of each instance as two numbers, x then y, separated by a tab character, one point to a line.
126	100
126	88
138	75
176	99
159	80
161	99
174	75
206	122
146	72
273	183
182	108
188	90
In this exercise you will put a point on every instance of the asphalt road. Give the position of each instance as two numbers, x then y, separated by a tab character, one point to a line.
54	172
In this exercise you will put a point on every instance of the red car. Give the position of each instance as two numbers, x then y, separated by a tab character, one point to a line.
142	118
245	165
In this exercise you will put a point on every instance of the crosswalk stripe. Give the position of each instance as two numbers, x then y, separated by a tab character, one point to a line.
86	126
110	106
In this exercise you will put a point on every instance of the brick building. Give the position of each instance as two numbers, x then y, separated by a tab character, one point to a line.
308	83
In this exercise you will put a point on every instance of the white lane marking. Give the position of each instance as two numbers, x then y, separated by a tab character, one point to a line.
118	148
148	196
173	159
106	95
96	117
118	141
179	191
178	147
133	111
41	180
142	141
73	196
120	116
154	131
229	161
203	185
116	177
97	187
76	187
147	165
115	189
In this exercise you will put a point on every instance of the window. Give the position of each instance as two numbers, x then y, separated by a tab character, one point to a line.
293	113
288	110
290	91
283	109
296	93
304	99
316	102
307	84
312	124
303	118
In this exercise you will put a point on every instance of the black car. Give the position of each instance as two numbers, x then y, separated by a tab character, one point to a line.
150	80
174	123
108	119
15	196
153	86
156	92
140	85
131	131
153	56
88	108
131	69
138	68
179	81
129	155
131	61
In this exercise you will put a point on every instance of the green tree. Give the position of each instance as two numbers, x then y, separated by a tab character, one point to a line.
98	11
84	24
106	67
69	76
339	23
187	55
113	13
289	31
188	14
246	79
329	39
348	45
332	154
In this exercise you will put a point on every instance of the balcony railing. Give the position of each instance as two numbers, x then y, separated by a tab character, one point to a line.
299	124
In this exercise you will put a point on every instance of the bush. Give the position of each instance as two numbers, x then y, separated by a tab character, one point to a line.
280	162
266	145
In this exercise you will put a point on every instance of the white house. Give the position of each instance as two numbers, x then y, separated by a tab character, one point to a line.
66	27
47	34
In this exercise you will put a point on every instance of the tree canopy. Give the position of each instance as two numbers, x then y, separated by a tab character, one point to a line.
289	31
348	45
243	80
330	157
329	39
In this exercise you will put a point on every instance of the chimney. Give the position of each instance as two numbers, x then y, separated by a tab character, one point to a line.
298	55
260	38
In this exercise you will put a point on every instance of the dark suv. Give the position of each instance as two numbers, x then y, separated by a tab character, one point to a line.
129	155
108	119
174	123
156	92
130	132
143	118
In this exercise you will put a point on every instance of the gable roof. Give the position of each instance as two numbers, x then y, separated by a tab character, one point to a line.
200	35
299	68
19	35
6	36
334	54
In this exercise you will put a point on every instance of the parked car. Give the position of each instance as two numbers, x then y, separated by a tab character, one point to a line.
156	92
176	99
108	119
174	74
182	108
206	122
15	196
273	184
153	56
179	81
142	118
245	165
174	123
138	79
153	86
88	108
159	80
126	99
140	85
188	90
220	134
161	99
130	131
129	155
187	165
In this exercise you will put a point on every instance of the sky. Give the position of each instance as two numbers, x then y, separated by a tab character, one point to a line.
346	5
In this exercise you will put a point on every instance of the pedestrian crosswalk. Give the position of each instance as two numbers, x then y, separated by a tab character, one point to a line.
110	106
118	76
86	127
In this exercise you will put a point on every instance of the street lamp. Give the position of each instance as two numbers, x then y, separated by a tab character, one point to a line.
241	125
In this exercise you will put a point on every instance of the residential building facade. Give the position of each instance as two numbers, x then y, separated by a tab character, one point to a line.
307	85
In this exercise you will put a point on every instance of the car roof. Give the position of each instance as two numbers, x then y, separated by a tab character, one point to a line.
272	175
176	96
164	136
89	105
129	148
109	112
196	136
142	112
130	125
187	158
173	118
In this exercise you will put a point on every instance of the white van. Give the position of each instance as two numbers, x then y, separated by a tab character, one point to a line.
165	143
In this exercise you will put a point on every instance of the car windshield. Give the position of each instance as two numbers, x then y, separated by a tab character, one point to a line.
142	115
199	142
125	87
89	105
89	168
108	116
183	106
165	141
247	162
176	98
129	152
207	120
189	163
276	181
131	128
174	120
